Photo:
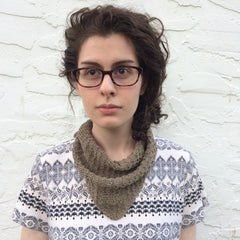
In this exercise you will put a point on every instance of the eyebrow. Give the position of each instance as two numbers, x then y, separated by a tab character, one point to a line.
113	65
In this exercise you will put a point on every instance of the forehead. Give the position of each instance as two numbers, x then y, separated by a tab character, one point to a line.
113	47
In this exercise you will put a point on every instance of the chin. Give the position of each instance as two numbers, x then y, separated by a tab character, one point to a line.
113	124
110	125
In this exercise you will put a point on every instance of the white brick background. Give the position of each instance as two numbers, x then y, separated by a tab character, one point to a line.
202	96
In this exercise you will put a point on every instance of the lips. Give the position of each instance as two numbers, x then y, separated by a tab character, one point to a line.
108	109
108	106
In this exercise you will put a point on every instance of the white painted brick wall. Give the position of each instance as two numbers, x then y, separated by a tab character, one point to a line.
202	96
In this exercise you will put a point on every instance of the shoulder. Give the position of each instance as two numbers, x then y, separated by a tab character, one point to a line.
174	161
167	149
53	166
165	144
64	147
59	152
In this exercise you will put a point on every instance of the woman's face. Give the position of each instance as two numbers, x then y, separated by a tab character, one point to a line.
108	105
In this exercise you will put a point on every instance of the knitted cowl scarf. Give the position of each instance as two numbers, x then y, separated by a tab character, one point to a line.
113	185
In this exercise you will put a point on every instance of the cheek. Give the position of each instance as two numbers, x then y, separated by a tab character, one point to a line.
86	102
134	100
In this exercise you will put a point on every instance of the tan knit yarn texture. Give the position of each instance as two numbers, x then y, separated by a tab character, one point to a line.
113	185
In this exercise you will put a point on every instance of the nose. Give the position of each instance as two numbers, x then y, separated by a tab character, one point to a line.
107	86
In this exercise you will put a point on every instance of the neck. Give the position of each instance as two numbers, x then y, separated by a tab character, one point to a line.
117	183
118	144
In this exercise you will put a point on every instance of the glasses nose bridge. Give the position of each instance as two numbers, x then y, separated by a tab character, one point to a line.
107	73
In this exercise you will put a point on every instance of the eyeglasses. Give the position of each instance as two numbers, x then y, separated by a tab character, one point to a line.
122	76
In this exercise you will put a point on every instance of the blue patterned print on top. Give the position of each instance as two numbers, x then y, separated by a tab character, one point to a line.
55	199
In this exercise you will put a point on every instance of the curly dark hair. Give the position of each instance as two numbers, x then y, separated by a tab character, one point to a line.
146	34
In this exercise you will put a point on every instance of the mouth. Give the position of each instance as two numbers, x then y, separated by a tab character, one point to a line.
108	109
108	106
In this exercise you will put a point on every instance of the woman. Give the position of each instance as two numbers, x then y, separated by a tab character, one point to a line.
114	180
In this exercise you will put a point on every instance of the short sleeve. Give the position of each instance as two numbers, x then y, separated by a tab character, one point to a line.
195	199
30	210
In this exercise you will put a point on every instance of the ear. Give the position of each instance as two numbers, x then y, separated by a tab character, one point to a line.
76	86
143	88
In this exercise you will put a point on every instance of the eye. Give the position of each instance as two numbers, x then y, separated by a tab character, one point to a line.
92	72
122	71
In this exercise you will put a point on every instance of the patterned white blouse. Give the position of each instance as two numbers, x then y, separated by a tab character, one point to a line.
55	199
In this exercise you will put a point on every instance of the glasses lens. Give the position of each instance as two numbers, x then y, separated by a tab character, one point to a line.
125	76
121	76
89	77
